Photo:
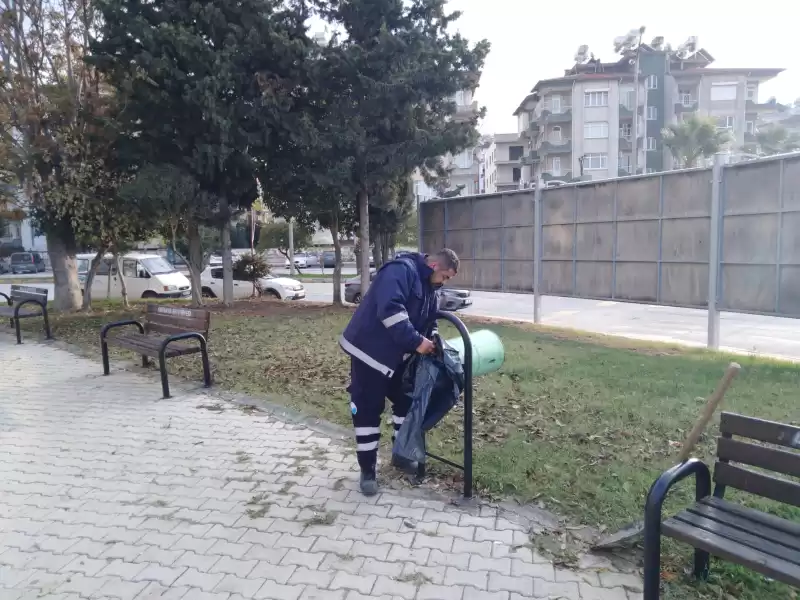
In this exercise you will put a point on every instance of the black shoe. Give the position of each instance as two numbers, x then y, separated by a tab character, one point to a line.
404	464
369	484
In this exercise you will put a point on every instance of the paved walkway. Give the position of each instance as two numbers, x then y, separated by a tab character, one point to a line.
108	491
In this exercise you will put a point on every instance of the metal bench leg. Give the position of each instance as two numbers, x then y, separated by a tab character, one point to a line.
206	365
19	333
701	564
104	352
145	361
162	363
47	331
652	557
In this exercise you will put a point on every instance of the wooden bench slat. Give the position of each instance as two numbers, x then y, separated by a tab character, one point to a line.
749	539
751	514
766	486
722	547
785	462
760	529
150	344
770	432
24	313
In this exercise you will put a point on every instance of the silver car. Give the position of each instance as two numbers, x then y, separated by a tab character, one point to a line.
450	300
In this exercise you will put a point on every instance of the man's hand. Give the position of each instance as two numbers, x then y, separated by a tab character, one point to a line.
426	346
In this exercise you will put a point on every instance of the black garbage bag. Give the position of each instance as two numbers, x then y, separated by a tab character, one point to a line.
434	384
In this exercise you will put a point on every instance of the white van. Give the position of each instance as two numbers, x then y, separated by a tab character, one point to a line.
146	276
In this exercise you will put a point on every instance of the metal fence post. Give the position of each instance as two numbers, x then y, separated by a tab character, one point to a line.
537	252
713	251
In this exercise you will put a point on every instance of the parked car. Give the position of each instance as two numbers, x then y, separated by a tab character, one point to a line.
329	259
27	262
312	260
300	261
450	299
146	276
282	288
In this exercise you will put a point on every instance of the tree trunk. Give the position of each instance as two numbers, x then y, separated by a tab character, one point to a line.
363	233
66	286
87	286
377	257
195	262
227	257
337	261
122	285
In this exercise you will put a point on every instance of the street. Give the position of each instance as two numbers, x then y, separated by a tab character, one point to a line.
738	332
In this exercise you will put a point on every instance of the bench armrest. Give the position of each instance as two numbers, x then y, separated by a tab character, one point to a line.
8	299
659	490
189	335
28	301
109	326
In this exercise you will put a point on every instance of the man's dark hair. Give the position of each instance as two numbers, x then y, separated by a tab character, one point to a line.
448	259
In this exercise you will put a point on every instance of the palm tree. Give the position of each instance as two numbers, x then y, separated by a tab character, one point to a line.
696	137
774	139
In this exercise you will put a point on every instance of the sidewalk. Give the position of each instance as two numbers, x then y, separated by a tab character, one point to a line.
109	491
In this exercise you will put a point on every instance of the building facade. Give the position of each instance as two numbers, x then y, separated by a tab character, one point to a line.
581	125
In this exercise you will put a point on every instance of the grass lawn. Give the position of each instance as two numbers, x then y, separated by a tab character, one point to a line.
580	423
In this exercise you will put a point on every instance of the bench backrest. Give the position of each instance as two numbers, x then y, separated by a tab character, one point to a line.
171	320
20	293
782	456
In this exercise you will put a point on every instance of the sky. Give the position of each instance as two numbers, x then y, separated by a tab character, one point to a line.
534	40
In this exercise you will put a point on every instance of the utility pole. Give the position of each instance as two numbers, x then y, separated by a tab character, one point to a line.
291	246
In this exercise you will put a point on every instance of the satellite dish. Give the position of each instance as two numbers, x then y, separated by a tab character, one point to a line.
580	55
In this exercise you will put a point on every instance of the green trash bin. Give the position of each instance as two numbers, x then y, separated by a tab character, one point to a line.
487	351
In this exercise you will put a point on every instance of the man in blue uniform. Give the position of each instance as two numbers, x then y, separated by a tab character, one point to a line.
389	324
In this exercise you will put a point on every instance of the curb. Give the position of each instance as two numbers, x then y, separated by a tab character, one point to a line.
24	280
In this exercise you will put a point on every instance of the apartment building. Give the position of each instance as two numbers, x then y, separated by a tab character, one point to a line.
581	125
508	153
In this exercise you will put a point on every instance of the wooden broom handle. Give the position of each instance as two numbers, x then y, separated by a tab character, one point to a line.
711	407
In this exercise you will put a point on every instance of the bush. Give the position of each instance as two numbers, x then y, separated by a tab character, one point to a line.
251	267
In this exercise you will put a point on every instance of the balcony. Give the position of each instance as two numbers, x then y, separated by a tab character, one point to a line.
560	117
530	158
685	106
563	147
625	143
532	130
467	110
548	176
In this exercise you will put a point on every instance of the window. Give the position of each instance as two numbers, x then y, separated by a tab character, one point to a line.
651	144
595	98
627	99
461	98
129	268
515	152
625	162
725	122
651	82
625	131
464	160
649	170
752	92
593	162
157	266
723	92
750	127
555	166
597	129
652	113
686	97
555	104
555	135
216	273
516	174
104	269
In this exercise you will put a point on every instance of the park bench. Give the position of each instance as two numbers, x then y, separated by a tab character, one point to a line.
759	541
166	331
21	302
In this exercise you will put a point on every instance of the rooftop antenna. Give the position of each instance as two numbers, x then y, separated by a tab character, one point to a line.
582	54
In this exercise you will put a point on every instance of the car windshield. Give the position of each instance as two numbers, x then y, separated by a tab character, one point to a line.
157	266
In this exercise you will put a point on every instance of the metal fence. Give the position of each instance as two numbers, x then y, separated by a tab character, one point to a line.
679	238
